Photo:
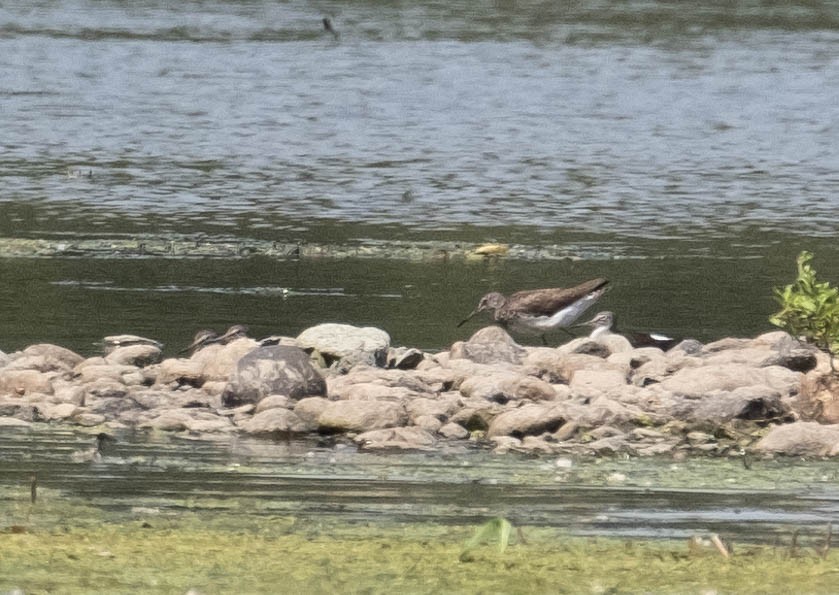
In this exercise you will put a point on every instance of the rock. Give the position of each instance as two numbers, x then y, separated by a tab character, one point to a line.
490	345
88	419
700	381
360	416
801	439
592	383
429	423
171	419
62	411
139	355
276	369
526	420
501	387
218	361
440	408
91	373
11	422
24	382
272	402
55	358
453	431
181	371
410	438
748	402
343	342
276	421
310	408
17	408
209	423
609	446
601	411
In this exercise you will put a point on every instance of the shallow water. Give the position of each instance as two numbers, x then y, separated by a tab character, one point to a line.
638	498
701	135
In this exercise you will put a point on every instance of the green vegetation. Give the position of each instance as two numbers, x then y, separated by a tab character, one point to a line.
495	529
810	309
58	546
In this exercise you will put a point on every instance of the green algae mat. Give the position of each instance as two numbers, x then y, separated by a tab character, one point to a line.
67	551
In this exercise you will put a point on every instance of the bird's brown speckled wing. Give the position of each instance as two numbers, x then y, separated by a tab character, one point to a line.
544	302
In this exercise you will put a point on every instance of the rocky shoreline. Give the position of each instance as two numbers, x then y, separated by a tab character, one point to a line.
767	395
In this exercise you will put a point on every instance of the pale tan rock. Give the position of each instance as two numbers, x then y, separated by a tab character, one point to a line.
489	345
310	408
55	358
429	423
527	419
272	402
218	362
90	373
277	420
700	381
593	383
135	355
360	416
801	439
21	382
181	370
410	438
61	411
453	431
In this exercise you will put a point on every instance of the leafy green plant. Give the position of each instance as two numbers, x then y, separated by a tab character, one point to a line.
810	309
498	528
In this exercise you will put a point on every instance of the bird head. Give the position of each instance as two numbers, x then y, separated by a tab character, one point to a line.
491	301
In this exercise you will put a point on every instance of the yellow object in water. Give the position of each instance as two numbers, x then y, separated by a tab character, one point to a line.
492	250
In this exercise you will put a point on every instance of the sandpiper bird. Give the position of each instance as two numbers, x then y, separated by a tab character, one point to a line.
201	339
604	324
206	337
539	311
237	331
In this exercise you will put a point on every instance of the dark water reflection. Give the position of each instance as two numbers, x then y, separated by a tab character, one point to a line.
639	498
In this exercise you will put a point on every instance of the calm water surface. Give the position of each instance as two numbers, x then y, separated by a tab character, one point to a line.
699	135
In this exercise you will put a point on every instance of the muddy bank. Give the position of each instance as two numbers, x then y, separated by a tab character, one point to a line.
765	395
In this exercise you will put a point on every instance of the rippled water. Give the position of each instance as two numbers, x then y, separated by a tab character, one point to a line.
699	134
640	498
645	119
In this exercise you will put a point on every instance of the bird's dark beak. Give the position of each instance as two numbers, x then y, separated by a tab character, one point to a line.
586	323
467	319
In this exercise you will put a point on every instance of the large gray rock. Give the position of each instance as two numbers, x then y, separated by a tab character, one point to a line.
490	345
347	344
273	370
